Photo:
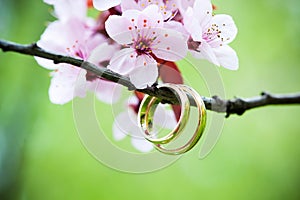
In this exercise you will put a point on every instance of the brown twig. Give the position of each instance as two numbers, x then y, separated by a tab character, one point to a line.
236	106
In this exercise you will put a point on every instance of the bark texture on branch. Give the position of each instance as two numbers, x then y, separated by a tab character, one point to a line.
235	106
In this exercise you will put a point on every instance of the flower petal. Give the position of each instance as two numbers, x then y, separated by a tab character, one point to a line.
146	72
126	123
142	145
227	57
120	29
63	84
226	26
192	25
105	4
121	126
203	12
129	5
133	100
165	47
67	9
176	26
48	64
52	40
123	61
183	5
107	91
206	52
103	52
152	15
164	118
59	35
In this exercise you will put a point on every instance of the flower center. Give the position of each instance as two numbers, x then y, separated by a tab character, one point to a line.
75	50
143	45
212	33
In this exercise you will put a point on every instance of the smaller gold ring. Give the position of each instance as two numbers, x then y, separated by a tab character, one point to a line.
148	107
200	126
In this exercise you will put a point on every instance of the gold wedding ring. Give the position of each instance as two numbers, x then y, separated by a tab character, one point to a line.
146	115
148	107
200	126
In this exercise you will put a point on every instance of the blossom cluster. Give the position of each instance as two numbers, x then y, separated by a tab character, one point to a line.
135	38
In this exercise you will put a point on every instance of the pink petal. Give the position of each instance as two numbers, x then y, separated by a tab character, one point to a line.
136	131
133	100
48	64
126	124
171	45
164	118
54	39
205	51
91	41
118	134
152	15
146	72
176	26
192	25
67	9
151	10
149	17
121	126
184	4
132	14
227	57
123	61
63	84
141	145
108	92
105	4
203	12
103	52
58	38
227	27
120	29
129	5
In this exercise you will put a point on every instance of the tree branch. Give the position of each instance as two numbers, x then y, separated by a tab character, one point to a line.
236	106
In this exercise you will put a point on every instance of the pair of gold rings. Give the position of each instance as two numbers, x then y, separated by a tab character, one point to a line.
146	116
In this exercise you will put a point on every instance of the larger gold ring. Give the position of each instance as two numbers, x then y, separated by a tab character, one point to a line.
148	107
146	114
200	126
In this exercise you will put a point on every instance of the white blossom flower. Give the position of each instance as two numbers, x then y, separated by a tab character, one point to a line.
72	36
145	36
168	8
211	34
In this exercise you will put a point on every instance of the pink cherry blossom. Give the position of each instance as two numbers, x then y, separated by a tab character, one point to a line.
73	37
105	4
168	8
211	34
126	124
145	36
66	9
184	4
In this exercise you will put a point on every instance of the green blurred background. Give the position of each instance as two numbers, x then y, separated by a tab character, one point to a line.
257	156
